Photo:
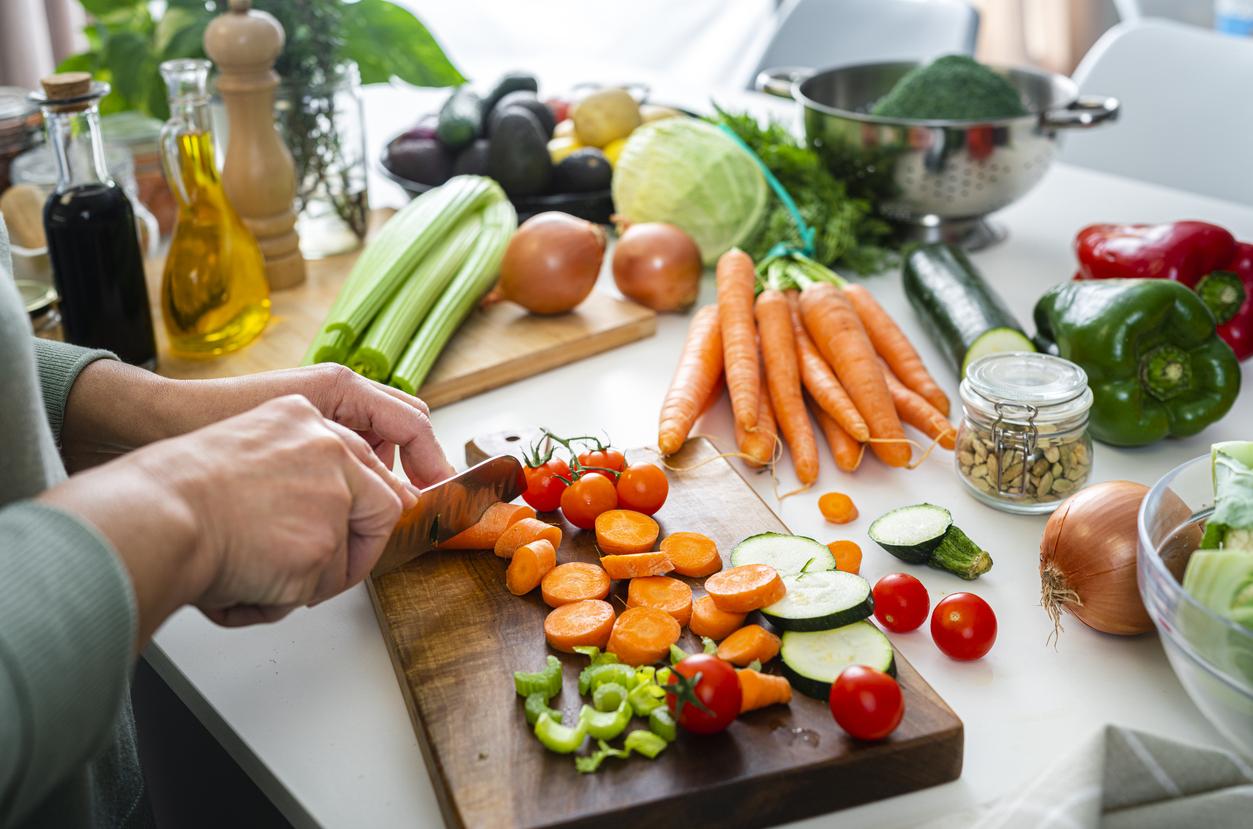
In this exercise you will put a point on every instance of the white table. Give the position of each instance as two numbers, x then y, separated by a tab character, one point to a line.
311	709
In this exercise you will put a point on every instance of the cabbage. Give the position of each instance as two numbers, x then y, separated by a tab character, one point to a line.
693	175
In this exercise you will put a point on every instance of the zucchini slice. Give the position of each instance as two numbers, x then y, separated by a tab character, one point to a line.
821	600
785	553
813	659
911	533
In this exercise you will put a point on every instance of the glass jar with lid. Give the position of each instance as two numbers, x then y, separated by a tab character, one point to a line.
1023	444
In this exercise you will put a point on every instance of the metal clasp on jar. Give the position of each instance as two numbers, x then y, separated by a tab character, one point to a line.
1001	462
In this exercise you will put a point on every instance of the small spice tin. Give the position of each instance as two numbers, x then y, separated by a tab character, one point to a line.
1023	444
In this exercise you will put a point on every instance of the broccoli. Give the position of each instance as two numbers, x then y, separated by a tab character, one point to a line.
953	87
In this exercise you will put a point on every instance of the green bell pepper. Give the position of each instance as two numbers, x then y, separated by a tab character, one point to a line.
1155	365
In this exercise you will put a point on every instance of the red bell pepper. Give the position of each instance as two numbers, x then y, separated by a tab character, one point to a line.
1203	256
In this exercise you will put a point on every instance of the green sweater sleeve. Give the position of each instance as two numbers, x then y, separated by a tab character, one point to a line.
59	365
67	635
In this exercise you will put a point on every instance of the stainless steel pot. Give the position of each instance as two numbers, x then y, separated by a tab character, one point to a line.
948	175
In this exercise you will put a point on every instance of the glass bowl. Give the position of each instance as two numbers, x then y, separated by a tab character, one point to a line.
1212	656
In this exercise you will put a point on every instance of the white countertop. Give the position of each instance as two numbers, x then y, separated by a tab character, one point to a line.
311	709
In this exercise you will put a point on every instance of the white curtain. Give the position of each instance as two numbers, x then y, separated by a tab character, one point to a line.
34	36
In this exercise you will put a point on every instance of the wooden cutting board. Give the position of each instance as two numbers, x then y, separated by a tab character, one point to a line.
495	346
456	634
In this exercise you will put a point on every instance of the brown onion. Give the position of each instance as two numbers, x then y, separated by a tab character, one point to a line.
552	263
658	266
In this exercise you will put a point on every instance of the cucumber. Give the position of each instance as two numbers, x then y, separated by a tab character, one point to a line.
460	118
813	659
785	553
820	601
961	314
911	533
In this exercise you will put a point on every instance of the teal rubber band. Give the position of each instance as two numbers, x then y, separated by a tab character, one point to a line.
804	230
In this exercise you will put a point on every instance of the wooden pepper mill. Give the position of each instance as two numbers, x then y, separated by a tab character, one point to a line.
258	173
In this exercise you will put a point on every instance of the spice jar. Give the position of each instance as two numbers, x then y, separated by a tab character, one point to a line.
21	127
1023	444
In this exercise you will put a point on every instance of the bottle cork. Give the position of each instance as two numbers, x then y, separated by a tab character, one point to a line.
65	86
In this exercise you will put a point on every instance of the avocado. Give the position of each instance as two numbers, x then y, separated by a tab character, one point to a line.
583	171
528	101
472	160
460	119
423	160
517	154
509	82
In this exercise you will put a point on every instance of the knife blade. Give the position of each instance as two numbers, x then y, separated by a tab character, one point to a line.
447	508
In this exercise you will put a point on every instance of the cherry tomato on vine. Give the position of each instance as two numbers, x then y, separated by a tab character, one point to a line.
544	487
643	488
963	626
586	498
901	602
717	689
866	703
607	458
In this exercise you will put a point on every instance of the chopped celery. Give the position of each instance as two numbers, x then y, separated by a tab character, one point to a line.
547	681
645	698
537	704
594	655
599	675
644	742
710	645
605	725
677	654
591	762
609	696
645	674
663	676
562	739
661	722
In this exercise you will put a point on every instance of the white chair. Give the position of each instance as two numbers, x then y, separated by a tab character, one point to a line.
1196	12
826	33
1186	120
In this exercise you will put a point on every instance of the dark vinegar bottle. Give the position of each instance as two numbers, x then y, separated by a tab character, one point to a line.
92	242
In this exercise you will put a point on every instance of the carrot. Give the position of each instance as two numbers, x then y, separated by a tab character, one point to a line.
664	593
846	451
835	327
745	588
736	283
758	690
624	531
636	565
847	555
525	531
783	380
821	382
643	635
530	563
695	379
749	643
708	620
837	508
483	535
692	554
895	348
588	622
759	444
574	581
918	412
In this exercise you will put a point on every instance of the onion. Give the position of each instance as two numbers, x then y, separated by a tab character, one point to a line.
657	265
552	263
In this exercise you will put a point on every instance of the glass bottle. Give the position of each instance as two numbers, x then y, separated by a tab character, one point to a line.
214	294
92	241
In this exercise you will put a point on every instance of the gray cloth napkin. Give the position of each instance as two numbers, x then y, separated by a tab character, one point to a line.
1125	779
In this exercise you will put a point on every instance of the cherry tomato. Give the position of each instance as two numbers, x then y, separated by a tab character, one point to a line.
963	626
866	703
901	602
588	497
543	487
607	458
643	488
717	689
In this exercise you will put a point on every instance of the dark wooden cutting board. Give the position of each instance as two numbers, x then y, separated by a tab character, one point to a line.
456	634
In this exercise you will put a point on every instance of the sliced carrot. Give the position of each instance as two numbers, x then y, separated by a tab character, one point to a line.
483	535
584	623
895	348
574	581
837	508
758	690
664	593
636	565
643	635
692	554
624	531
846	451
745	588
749	643
917	411
697	380
524	532
530	563
708	620
847	555
759	444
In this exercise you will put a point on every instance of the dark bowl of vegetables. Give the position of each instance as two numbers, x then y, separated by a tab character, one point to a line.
959	140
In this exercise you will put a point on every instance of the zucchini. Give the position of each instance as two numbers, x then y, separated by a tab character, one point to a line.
925	534
820	601
785	553
958	555
460	118
960	313
813	659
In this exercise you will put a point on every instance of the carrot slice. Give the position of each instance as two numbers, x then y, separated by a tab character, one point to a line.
745	588
524	532
643	635
530	563
847	555
636	565
692	554
708	620
751	642
588	622
664	593
837	508
757	690
574	581
482	536
624	531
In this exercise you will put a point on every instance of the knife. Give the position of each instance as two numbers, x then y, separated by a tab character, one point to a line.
447	508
